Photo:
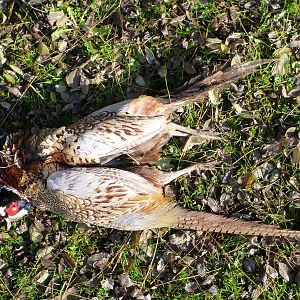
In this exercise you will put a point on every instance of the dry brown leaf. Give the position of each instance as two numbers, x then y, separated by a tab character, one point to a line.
296	155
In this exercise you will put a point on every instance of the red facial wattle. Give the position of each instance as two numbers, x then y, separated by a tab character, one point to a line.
12	209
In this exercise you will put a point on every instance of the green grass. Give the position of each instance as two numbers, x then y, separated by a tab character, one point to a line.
110	58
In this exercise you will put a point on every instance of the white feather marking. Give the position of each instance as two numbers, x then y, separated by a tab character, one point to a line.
2	211
93	182
98	142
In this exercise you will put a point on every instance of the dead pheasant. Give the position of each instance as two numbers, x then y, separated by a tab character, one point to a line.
121	199
137	128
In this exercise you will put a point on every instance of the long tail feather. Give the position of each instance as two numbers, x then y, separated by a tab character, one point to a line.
218	80
214	223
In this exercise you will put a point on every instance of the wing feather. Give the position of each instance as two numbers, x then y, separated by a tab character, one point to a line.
101	194
101	137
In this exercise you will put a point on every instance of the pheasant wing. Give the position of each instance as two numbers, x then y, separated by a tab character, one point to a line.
101	137
97	195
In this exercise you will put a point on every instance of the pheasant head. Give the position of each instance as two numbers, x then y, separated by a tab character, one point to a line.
12	208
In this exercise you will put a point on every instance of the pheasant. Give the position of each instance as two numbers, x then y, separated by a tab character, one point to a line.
137	128
131	199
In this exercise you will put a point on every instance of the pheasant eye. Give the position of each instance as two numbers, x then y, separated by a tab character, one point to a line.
12	209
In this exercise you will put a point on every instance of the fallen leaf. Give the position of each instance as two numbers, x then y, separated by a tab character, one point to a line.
294	44
149	55
249	265
284	271
17	70
281	65
213	96
162	72
3	59
296	155
98	260
191	287
35	235
43	49
177	20
73	79
139	80
271	272
248	180
5	105
15	91
44	251
294	92
9	77
124	280
214	44
41	277
188	68
58	18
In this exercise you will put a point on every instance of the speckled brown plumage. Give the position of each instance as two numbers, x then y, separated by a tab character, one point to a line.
125	200
37	167
137	128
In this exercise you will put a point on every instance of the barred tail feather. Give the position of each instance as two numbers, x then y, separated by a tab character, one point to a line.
193	92
215	223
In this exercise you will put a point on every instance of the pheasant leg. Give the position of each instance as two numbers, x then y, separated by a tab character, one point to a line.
168	177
